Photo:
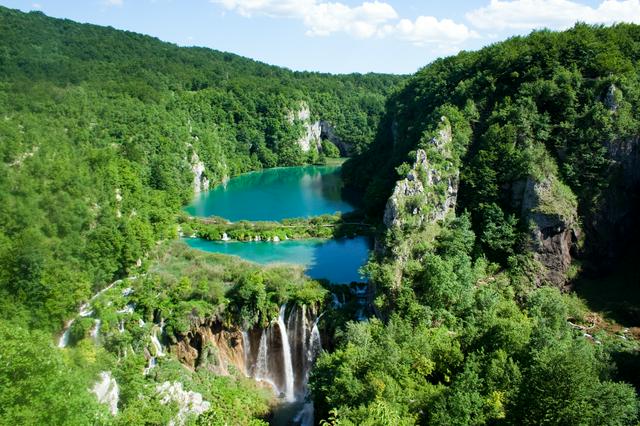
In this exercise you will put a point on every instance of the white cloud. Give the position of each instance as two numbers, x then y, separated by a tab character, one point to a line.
114	2
369	19
36	6
429	30
553	14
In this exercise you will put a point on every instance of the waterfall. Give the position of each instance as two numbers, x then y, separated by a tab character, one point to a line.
286	353
95	331
261	369
157	346
154	340
86	311
246	350
64	339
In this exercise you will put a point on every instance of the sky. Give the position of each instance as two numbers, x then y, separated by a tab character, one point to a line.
337	36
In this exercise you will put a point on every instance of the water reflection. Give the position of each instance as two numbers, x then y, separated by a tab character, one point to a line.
275	194
335	260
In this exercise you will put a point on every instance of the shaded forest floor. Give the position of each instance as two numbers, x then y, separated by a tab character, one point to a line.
613	299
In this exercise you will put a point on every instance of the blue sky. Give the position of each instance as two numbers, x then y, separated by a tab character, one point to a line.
337	36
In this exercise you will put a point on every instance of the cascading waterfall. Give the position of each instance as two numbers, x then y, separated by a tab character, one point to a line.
261	369
95	331
86	311
157	346
284	355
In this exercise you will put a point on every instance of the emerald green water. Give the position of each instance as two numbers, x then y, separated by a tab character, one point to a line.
335	260
280	193
275	194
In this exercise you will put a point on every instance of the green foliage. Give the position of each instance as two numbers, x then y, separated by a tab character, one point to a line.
330	150
464	343
517	109
99	130
36	384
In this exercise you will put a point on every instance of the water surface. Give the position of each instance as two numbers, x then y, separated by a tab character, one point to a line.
335	260
275	194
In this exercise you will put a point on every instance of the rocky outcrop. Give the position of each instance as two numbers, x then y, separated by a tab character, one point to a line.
210	345
613	224
611	98
327	132
107	391
550	209
200	179
314	132
189	403
429	191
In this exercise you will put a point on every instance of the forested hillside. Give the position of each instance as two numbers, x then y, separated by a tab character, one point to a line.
104	136
497	180
503	176
102	131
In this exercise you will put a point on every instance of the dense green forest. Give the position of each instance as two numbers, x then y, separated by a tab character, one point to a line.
512	173
98	131
537	137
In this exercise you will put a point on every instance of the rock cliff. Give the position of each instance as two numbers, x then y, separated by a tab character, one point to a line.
550	210
200	180
429	190
613	224
314	132
210	345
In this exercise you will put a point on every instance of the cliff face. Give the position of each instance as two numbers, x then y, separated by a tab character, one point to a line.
314	132
550	210
279	356
210	345
429	191
200	180
425	196
614	223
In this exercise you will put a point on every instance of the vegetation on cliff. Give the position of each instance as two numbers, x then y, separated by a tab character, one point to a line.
473	329
506	159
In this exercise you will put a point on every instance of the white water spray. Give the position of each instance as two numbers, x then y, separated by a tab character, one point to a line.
286	352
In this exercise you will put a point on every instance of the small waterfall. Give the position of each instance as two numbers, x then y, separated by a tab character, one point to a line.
297	336
86	311
286	353
157	346
261	369
64	339
155	342
246	350
95	331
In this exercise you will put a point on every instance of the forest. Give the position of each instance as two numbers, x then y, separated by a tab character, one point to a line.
537	137
523	157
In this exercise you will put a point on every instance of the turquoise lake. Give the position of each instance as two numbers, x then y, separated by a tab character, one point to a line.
335	260
275	194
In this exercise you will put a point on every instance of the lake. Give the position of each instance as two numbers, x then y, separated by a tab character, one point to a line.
275	194
335	260
280	193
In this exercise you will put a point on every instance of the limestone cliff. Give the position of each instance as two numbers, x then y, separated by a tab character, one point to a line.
200	180
424	197
613	223
314	132
550	209
210	345
430	189
310	138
